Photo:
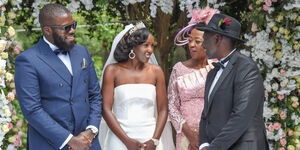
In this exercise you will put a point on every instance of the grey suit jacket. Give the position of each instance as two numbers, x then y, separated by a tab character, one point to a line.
232	116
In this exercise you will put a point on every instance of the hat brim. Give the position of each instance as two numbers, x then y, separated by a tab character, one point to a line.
204	28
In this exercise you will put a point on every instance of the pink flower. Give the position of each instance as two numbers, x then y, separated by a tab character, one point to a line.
266	8
17	49
202	15
282	72
19	123
281	148
277	126
10	125
283	141
268	2
282	115
283	134
10	96
271	128
280	96
290	132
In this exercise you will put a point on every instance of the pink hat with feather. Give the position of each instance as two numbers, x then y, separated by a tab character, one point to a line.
198	16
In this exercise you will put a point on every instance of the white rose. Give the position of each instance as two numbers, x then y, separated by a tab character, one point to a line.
3	44
275	86
11	32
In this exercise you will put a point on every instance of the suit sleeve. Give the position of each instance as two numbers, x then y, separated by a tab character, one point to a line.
28	93
95	98
248	94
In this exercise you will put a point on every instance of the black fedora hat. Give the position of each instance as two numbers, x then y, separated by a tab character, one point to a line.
224	25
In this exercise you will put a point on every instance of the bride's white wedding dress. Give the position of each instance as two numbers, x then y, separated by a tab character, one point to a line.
135	109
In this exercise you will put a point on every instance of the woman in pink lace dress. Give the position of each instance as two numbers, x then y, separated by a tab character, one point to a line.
186	85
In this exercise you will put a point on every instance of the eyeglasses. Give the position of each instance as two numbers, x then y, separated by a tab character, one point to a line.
67	28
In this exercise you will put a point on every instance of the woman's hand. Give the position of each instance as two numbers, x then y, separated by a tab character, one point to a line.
133	144
192	136
149	145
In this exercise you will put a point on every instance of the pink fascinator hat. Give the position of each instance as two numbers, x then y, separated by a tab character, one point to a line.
198	16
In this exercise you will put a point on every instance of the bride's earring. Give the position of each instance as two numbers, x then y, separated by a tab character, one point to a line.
131	55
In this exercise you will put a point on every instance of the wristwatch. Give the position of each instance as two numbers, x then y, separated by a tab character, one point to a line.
155	141
93	131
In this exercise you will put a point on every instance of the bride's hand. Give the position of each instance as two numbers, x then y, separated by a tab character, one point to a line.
133	144
149	145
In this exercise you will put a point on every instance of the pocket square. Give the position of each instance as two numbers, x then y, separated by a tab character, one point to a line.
84	63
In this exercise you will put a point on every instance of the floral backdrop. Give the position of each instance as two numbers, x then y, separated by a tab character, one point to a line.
271	29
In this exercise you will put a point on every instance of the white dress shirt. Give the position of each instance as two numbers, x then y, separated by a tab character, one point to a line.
219	73
66	60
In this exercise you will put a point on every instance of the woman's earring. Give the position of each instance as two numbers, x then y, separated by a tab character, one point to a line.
131	55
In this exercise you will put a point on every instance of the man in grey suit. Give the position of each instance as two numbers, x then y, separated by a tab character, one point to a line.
234	94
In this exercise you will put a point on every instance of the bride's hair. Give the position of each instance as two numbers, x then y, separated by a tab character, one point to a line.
129	41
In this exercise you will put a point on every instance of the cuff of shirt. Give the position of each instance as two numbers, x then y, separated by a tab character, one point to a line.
66	141
180	126
203	145
93	128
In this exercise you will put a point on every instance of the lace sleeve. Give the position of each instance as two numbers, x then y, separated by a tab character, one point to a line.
174	103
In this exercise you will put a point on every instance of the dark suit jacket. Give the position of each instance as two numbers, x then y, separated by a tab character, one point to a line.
232	116
54	102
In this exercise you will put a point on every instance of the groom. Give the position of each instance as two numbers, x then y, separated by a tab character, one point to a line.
234	94
57	87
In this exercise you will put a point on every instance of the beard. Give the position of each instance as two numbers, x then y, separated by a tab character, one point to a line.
61	43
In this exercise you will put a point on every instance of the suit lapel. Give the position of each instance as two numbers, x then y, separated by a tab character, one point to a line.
210	77
49	58
224	74
76	62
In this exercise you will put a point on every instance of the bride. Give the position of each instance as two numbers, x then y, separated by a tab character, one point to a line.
134	95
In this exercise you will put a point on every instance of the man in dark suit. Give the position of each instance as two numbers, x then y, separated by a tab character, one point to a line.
234	94
57	87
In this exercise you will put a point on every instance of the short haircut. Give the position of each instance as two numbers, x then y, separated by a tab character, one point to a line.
50	12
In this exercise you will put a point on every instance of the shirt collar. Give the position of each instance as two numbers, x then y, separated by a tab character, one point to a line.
228	55
52	46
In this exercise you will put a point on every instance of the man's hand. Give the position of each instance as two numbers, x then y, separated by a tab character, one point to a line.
79	143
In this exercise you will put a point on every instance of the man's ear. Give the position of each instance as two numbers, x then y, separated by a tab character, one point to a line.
47	30
218	38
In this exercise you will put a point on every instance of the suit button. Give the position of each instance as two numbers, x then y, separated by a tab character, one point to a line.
71	102
61	85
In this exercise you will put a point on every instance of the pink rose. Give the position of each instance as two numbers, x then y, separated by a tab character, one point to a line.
283	134
10	96
283	141
280	96
271	128
266	8
282	72
19	123
268	2
277	126
10	125
290	132
253	27
281	148
282	115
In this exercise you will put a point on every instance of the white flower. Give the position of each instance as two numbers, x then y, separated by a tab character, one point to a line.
3	44
275	86
88	4
3	2
73	6
295	118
